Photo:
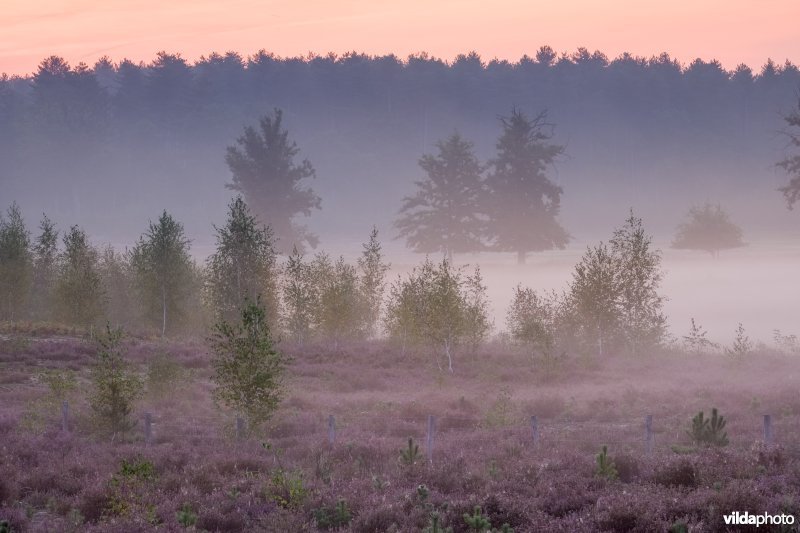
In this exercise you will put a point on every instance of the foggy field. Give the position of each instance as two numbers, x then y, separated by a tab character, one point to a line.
750	285
483	451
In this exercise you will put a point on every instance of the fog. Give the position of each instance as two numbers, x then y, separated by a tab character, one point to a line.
109	147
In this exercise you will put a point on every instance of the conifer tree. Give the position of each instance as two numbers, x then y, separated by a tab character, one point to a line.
791	191
523	202
444	215
265	172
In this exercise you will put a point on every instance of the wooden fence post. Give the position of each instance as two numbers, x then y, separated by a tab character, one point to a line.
535	431
431	429
65	416
768	430
148	429
648	434
239	428
331	430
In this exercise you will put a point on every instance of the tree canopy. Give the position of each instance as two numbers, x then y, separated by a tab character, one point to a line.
523	202
444	215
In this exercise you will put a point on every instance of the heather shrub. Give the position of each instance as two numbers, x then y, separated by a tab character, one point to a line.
115	386
681	473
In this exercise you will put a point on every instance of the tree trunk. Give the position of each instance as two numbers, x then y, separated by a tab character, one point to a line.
449	356
520	257
163	312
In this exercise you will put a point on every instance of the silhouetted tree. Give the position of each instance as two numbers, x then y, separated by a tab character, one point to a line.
79	290
243	267
15	264
792	163
445	213
264	170
708	228
163	269
523	203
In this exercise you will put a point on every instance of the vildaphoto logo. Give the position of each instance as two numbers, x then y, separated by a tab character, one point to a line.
746	519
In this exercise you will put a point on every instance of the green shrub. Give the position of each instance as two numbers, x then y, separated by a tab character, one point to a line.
164	375
186	516
333	517
248	370
476	521
288	489
435	525
116	386
709	431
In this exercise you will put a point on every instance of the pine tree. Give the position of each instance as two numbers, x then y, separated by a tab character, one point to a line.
791	191
163	270
244	265
523	202
45	269
16	265
264	171
445	213
79	290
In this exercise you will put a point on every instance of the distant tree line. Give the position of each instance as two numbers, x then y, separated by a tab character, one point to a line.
83	131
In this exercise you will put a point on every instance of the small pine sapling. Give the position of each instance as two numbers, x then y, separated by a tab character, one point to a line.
410	454
435	525
709	431
477	521
606	468
186	516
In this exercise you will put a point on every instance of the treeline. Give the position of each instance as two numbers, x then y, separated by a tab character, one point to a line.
613	304
156	286
112	134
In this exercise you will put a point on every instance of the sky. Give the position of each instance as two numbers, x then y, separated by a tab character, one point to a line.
731	31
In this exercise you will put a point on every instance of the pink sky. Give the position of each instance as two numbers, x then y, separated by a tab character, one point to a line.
732	31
